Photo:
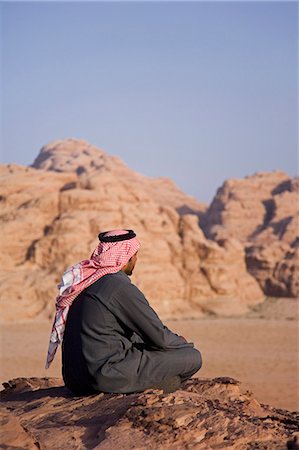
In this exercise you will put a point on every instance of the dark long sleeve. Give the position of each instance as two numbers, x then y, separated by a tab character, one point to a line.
131	307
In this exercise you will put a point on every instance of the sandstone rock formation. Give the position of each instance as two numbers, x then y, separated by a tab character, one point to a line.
261	211
51	214
203	414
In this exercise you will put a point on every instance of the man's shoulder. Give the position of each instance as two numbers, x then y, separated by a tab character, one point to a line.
111	282
118	277
116	289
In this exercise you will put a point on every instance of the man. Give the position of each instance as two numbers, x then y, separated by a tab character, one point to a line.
112	340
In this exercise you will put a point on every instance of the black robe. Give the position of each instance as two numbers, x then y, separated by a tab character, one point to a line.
115	342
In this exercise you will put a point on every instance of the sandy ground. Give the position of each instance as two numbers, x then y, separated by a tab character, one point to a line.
261	352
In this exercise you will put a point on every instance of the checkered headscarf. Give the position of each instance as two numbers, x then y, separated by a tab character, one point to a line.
108	257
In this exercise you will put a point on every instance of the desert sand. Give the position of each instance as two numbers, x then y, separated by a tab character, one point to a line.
260	350
244	397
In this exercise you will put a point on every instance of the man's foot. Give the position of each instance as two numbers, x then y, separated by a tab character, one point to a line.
168	385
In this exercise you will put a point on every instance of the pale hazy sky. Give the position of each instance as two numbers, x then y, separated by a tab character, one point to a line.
196	91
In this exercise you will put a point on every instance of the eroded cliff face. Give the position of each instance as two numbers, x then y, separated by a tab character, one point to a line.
203	414
261	211
52	213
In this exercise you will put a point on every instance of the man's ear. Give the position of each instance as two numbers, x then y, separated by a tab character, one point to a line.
133	256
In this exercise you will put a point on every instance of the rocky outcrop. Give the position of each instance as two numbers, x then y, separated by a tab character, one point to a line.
276	267
52	213
202	414
261	211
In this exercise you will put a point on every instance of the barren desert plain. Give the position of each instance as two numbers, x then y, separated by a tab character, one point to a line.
259	349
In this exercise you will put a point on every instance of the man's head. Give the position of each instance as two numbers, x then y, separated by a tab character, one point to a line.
119	248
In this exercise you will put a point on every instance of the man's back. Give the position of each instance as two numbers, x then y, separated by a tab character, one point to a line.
93	335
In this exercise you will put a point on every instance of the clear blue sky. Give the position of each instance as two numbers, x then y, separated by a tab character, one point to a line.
199	92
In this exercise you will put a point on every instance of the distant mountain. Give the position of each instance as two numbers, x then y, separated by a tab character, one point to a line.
88	162
52	212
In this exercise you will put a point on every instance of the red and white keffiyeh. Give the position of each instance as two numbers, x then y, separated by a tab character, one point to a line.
108	257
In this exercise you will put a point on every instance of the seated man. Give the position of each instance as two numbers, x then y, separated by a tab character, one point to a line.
112	340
